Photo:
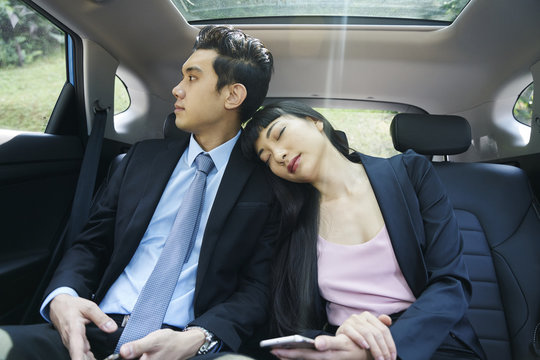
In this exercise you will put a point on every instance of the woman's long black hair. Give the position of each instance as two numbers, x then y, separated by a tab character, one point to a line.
296	302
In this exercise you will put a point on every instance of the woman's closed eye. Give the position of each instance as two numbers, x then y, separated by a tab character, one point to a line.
281	132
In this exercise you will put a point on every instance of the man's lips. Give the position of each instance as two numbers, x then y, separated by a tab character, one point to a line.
293	164
178	108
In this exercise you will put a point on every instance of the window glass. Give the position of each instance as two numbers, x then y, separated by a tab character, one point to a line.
368	131
32	67
121	96
523	109
419	10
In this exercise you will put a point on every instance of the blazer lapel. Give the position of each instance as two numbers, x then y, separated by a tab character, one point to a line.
396	211
236	175
156	177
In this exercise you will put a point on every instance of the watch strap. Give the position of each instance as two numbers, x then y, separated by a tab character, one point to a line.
211	342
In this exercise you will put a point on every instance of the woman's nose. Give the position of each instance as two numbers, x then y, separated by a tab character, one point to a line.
280	156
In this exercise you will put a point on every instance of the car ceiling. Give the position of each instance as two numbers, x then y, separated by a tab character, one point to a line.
482	59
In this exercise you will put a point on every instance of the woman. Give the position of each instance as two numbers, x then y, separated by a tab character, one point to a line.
366	244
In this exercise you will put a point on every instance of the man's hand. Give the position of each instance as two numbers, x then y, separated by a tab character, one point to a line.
164	344
69	316
371	333
339	347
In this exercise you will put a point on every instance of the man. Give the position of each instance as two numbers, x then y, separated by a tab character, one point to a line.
221	293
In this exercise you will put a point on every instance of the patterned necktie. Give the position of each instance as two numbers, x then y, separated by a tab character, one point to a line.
153	301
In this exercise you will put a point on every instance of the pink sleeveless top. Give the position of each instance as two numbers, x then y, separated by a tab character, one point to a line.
361	277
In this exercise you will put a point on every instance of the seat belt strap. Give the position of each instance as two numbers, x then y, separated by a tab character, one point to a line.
87	177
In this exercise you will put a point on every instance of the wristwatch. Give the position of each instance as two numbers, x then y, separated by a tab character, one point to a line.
211	342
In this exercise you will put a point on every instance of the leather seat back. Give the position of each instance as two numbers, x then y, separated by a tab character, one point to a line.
499	219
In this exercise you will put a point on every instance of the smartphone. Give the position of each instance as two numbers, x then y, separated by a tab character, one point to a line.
289	342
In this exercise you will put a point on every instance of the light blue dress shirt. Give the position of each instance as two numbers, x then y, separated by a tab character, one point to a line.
121	297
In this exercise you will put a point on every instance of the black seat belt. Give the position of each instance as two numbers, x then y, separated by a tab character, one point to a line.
80	209
87	177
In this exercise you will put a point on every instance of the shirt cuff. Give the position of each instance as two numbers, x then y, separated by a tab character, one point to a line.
44	310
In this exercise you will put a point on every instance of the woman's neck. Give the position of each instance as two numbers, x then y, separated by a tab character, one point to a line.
338	176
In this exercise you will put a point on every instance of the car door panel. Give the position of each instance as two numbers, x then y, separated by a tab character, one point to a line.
38	176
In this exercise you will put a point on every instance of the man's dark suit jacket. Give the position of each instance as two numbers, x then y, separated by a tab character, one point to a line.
428	247
231	293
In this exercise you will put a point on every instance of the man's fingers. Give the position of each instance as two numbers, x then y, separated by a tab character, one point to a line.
93	313
127	351
136	349
77	343
89	356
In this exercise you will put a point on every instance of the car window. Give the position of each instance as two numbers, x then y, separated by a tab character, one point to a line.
32	67
368	131
268	10
523	108
121	96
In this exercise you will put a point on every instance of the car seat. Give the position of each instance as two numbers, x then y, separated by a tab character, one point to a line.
499	219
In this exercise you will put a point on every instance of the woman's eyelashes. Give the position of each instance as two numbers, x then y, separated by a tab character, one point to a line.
277	136
281	132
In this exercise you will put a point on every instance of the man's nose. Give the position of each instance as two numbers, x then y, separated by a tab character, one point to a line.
178	92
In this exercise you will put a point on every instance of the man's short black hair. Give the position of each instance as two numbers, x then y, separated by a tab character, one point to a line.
242	59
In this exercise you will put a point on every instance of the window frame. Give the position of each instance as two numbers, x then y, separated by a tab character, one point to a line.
360	15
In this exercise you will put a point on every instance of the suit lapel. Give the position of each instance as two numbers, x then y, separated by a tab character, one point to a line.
396	212
236	175
155	180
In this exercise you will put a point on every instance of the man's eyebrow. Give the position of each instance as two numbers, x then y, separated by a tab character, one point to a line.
194	68
270	129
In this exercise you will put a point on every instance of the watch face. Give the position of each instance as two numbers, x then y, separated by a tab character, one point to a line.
208	346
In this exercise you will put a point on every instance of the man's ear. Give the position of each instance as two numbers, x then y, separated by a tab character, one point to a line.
237	95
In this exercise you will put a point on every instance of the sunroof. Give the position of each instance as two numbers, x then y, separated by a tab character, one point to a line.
320	11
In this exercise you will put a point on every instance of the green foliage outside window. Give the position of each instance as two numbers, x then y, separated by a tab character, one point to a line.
121	96
25	35
368	131
32	67
523	110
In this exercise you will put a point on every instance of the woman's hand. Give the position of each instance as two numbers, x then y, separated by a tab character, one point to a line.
339	347
371	333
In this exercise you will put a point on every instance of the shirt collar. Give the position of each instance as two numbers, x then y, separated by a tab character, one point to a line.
220	155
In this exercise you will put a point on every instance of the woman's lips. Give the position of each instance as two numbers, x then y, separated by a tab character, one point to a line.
293	164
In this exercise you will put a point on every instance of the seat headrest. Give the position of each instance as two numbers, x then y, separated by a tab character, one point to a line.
430	134
170	131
